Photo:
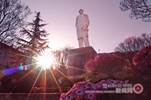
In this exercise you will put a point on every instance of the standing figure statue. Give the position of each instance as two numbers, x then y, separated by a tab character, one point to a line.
82	23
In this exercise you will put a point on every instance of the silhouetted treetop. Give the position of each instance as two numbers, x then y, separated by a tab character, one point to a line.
139	9
34	36
12	17
134	43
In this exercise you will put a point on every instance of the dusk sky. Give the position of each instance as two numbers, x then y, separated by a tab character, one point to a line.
108	24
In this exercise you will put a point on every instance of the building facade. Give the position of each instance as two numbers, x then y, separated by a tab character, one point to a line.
10	57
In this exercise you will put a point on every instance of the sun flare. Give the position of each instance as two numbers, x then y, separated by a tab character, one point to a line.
45	59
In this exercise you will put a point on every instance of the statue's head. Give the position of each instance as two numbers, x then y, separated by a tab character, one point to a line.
81	11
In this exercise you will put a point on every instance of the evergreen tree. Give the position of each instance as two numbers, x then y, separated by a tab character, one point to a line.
34	36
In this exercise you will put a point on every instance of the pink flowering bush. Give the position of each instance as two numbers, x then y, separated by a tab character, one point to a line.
79	91
142	59
106	63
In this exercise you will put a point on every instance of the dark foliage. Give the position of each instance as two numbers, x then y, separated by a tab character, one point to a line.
142	60
110	64
134	43
35	37
140	9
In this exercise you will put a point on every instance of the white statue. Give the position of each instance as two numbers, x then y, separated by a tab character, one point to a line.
82	23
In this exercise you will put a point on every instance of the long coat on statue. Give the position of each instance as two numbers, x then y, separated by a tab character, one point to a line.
82	23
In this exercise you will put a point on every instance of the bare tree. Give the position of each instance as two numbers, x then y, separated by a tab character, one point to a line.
34	36
12	15
61	55
134	43
140	9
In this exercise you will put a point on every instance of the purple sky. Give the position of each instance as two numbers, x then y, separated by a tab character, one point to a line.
108	25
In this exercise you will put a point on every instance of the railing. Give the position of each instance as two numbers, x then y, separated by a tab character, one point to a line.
31	96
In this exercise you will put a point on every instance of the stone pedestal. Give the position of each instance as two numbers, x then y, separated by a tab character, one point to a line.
77	58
